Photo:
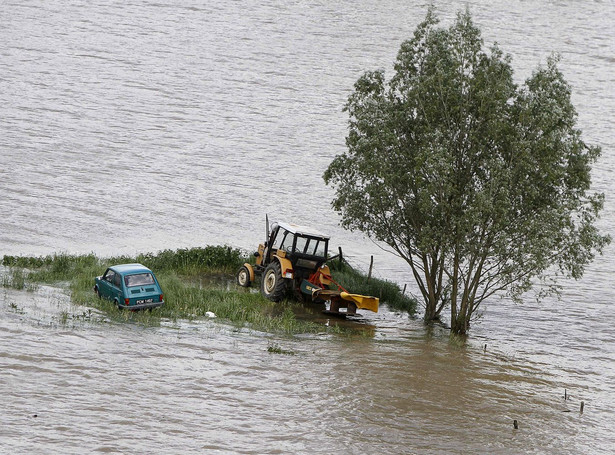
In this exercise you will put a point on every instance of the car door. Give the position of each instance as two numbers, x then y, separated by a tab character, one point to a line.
105	286
116	288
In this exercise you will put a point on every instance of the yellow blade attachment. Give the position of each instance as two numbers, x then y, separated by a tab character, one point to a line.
363	302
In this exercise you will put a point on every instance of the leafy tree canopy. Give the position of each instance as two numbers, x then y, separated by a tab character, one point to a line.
481	185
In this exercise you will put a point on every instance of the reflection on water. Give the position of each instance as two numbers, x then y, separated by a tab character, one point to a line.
135	127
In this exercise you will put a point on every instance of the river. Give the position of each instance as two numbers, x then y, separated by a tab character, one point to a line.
142	125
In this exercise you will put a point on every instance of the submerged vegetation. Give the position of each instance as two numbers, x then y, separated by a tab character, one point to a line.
16	280
191	292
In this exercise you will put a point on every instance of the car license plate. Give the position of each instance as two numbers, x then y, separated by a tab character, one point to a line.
139	302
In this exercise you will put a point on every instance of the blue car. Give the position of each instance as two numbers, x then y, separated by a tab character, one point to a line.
130	286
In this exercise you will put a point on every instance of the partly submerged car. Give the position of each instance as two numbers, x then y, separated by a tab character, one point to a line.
130	286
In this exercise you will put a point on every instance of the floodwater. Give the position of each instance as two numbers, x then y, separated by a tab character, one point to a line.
137	126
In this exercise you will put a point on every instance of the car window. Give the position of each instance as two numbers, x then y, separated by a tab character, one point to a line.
140	279
109	275
116	280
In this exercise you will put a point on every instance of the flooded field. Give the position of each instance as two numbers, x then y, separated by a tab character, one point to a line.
76	381
139	126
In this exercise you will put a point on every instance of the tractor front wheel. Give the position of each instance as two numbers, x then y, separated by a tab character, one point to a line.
273	286
243	277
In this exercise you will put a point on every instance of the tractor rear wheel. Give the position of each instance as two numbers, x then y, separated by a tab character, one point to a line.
243	277
273	286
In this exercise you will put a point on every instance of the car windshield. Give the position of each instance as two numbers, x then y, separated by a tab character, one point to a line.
140	279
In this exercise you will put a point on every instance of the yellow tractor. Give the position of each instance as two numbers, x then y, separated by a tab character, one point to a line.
293	259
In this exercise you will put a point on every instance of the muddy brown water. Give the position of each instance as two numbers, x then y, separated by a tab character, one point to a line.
138	126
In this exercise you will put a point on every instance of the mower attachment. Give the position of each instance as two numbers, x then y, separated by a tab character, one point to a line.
340	299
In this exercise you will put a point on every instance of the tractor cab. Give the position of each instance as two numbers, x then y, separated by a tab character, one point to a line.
293	259
305	248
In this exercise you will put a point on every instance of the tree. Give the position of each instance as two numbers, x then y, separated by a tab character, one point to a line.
482	186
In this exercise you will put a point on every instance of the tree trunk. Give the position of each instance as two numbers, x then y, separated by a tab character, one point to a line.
431	302
431	306
430	287
460	322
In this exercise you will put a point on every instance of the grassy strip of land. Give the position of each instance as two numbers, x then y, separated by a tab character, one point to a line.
181	273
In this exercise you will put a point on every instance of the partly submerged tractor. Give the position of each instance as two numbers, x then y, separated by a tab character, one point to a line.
293	259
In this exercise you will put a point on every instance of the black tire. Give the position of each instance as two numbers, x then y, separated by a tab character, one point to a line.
243	277
273	286
97	292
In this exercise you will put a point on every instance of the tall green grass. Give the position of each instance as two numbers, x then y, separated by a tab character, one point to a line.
211	259
52	268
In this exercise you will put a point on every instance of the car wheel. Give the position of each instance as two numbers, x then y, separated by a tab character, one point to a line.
273	286
243	277
97	292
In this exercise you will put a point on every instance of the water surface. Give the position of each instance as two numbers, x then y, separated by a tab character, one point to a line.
138	126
